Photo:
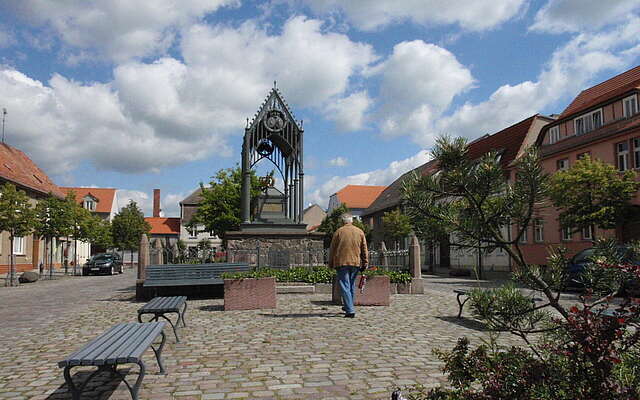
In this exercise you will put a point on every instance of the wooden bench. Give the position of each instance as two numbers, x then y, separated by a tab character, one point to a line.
463	292
160	306
190	274
122	344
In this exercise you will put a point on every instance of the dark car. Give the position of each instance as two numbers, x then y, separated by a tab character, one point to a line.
103	263
578	263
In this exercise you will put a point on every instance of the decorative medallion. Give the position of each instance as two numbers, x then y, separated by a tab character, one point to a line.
274	121
265	148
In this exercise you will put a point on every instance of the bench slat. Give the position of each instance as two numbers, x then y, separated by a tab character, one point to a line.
182	282
77	357
137	352
114	347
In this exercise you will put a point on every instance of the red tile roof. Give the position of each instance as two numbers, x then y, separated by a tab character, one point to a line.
105	196
359	196
508	141
17	168
164	226
601	92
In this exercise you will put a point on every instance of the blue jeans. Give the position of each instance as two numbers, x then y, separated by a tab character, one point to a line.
347	281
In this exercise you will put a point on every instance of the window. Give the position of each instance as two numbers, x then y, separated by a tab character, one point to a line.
622	155
587	233
193	231
554	134
538	230
90	205
583	155
588	122
630	105
636	152
566	234
563	164
18	245
523	238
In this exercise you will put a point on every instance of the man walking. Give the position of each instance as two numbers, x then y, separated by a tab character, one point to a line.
348	255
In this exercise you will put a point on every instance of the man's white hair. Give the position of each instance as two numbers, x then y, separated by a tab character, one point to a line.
347	218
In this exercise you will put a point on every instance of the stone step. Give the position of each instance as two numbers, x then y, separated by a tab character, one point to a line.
295	289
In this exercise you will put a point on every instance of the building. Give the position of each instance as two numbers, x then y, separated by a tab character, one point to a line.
602	122
17	168
509	144
167	230
312	216
357	198
191	235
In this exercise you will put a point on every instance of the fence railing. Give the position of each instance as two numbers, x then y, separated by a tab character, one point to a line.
390	259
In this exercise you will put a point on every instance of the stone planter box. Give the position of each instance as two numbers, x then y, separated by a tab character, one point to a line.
377	292
249	294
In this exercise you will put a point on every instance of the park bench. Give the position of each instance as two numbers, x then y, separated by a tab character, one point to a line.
160	306
122	344
465	293
190	274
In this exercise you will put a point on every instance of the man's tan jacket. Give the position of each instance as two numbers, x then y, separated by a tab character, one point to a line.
348	248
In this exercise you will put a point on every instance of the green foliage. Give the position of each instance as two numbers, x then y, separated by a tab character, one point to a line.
220	209
99	232
472	200
396	225
128	226
317	274
54	217
333	221
593	193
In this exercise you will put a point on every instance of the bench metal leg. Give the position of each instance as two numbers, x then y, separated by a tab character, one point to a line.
156	317
184	310
158	352
461	304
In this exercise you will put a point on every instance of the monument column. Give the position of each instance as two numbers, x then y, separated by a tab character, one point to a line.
246	180
301	177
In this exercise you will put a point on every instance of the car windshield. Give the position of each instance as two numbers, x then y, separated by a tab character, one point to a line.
102	257
583	256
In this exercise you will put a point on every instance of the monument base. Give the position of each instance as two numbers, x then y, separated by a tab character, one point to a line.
275	245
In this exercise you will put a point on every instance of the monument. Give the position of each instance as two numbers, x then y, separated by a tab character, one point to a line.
277	227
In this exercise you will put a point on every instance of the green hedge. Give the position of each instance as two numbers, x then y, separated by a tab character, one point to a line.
317	274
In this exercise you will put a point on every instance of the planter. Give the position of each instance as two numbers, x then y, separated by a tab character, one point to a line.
249	294
376	292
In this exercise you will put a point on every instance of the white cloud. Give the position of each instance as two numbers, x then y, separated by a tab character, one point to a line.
570	70
117	30
142	199
165	113
419	81
339	162
6	37
349	113
170	203
320	192
474	15
582	15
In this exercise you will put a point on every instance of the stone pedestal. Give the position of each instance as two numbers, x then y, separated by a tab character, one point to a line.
143	262
377	292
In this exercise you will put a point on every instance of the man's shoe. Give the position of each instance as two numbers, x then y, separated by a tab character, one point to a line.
350	315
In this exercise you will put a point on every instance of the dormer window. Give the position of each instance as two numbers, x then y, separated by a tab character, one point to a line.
630	105
554	134
588	122
89	203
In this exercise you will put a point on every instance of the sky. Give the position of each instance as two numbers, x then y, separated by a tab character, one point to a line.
146	94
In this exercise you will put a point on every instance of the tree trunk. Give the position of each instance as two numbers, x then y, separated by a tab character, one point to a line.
75	256
10	281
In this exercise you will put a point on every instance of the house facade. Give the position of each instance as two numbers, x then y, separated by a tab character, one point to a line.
18	169
356	197
509	144
312	216
189	234
602	122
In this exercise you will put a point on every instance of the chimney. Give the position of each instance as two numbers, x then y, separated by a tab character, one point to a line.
156	202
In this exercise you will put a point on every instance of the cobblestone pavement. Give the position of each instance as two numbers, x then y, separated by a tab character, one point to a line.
304	349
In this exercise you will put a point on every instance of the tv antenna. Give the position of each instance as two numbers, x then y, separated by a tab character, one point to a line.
4	114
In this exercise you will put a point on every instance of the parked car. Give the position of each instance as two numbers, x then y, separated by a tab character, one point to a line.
578	264
103	263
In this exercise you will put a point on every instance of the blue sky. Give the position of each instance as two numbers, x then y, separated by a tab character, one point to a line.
155	94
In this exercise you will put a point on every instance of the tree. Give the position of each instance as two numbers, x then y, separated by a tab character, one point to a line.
17	217
79	218
396	225
128	226
576	352
593	193
54	222
98	232
220	209
333	221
